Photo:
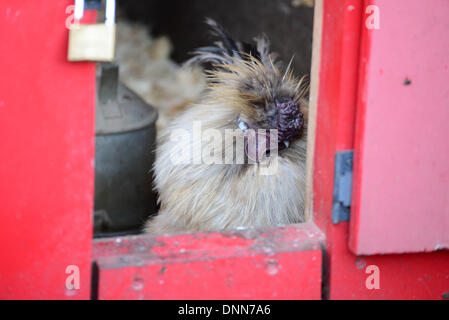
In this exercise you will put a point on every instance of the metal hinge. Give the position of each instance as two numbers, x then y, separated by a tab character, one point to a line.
342	186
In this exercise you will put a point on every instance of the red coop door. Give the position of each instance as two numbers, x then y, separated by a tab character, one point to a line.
400	199
46	155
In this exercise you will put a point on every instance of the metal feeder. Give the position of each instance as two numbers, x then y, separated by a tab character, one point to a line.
124	155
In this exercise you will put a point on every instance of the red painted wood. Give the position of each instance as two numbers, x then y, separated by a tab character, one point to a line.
283	263
405	276
46	152
337	96
402	276
46	147
401	201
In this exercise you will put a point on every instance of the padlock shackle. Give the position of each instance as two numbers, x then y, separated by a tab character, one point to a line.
79	9
109	10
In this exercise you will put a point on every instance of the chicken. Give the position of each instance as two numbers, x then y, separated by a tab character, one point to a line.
262	183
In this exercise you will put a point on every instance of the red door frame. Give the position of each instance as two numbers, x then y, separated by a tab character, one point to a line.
46	206
402	276
47	155
401	172
282	263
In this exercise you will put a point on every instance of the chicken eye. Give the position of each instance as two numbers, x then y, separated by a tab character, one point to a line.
242	124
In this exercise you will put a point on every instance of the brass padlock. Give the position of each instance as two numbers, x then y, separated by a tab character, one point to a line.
92	42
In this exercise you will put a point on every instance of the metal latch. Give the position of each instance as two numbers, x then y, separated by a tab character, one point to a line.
342	186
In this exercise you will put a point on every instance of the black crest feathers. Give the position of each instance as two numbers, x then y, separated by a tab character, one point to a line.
226	49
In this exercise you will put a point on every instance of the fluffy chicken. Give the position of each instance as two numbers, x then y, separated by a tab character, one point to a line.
249	94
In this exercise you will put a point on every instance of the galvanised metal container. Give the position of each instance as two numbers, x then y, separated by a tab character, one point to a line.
124	155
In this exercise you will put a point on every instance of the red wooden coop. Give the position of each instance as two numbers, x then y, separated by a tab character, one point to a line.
378	172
